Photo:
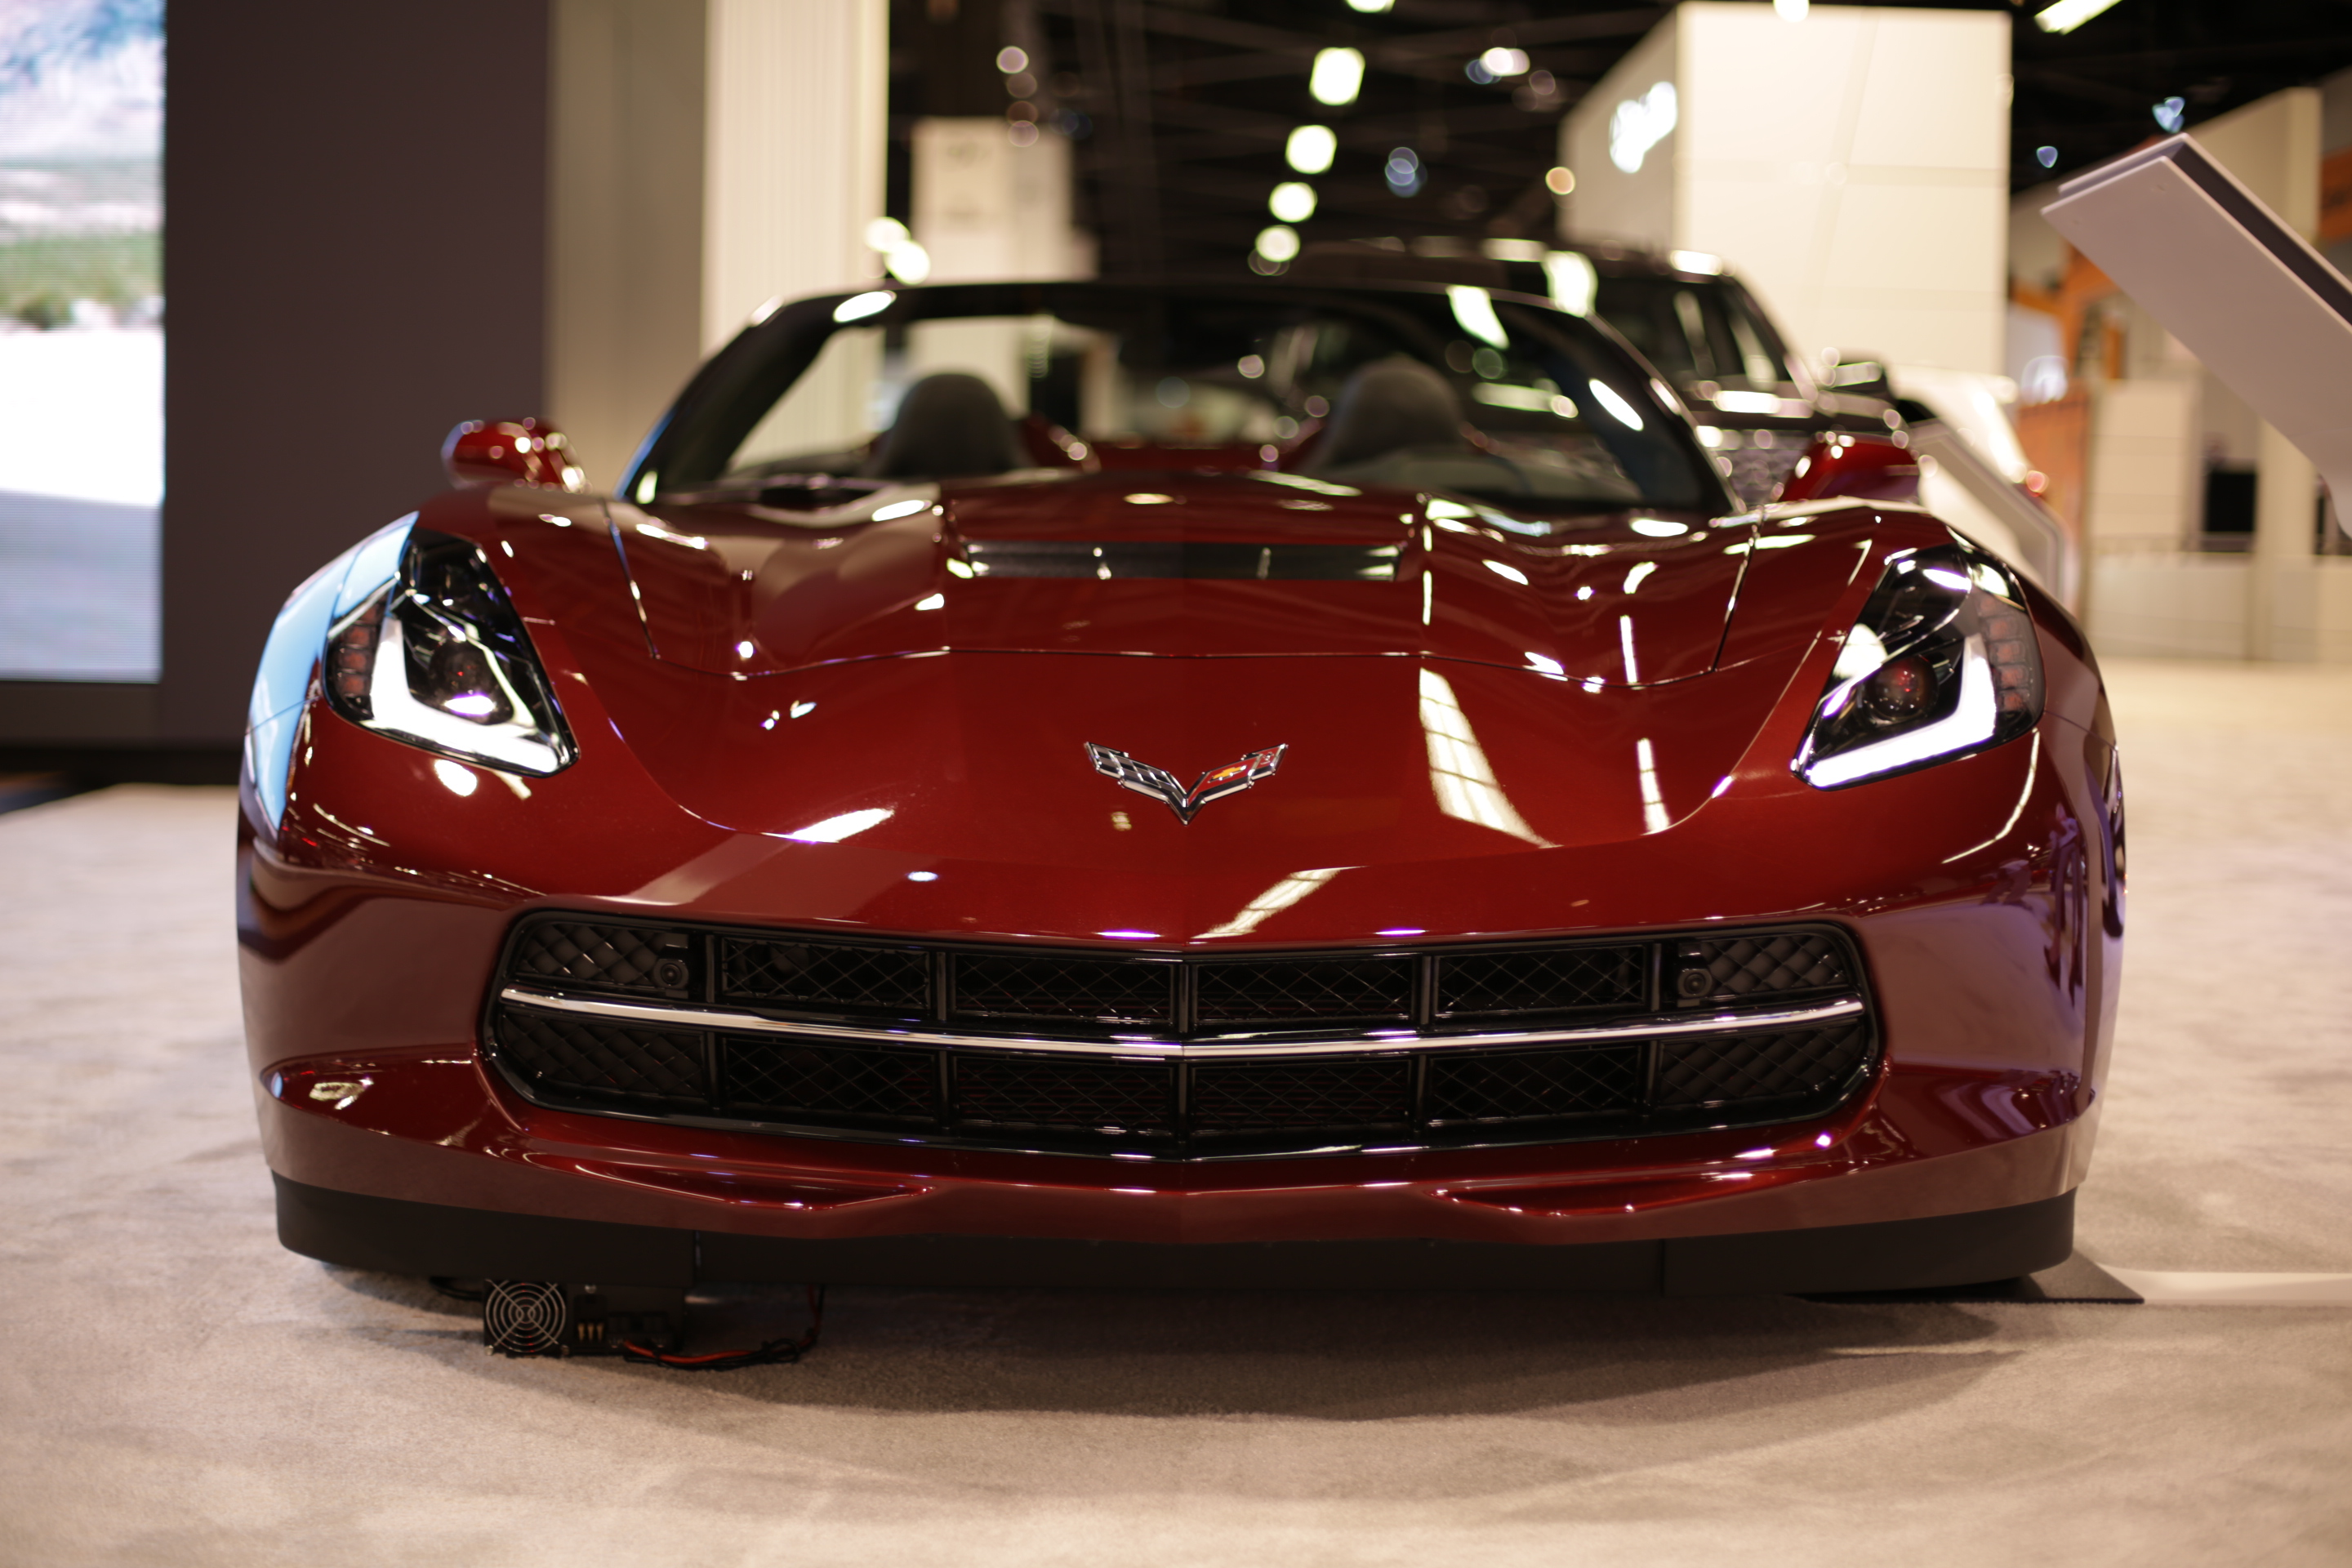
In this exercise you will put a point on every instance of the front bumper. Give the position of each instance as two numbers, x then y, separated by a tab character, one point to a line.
403	1238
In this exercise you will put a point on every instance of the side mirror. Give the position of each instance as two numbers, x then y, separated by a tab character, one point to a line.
1866	468
510	451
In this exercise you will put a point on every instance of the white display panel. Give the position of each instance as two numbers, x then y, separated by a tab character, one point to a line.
2247	295
81	341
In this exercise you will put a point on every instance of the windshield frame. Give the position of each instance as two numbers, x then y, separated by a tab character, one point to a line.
691	447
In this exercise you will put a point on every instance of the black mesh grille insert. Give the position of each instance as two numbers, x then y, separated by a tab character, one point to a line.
1555	980
1251	1097
1096	990
1759	1067
653	1067
1299	991
1001	1047
786	1081
1769	963
1527	1086
895	980
607	957
1073	1093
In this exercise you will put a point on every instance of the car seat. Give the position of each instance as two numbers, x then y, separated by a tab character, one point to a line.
949	427
1391	407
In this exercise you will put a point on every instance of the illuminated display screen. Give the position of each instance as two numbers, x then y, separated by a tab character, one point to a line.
81	338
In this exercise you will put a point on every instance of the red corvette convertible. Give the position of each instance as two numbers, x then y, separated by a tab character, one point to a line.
1177	786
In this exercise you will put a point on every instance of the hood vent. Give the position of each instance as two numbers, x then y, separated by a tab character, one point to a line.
1225	560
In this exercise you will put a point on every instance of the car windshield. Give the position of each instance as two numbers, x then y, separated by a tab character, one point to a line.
1699	334
1457	390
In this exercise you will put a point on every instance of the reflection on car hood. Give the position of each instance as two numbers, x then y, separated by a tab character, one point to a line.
984	757
1176	565
952	792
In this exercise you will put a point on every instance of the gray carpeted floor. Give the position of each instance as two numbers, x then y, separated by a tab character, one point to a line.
179	1390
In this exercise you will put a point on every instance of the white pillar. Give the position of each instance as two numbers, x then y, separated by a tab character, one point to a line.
797	122
1853	167
624	220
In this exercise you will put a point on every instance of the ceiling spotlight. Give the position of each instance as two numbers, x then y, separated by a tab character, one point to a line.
2068	15
1293	201
901	257
1338	76
1560	181
1311	149
1277	243
1012	60
1793	10
1404	171
1370	7
2172	113
1502	62
2046	156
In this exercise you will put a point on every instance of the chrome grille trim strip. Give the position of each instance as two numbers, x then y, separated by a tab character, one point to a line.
1652	1029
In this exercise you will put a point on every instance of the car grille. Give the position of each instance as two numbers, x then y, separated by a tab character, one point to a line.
1002	1083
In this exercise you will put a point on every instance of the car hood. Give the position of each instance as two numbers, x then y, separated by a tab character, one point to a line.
1181	565
950	790
985	758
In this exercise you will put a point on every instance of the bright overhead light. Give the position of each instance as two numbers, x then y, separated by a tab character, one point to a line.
1338	76
1560	181
1011	59
1404	173
1571	280
1277	243
1794	10
1311	149
2068	15
909	263
2171	114
1293	201
1502	62
1370	7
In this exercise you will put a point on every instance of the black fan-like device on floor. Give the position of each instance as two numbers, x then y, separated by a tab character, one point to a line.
635	1322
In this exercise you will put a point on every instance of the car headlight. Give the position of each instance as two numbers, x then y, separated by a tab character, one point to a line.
436	657
1942	663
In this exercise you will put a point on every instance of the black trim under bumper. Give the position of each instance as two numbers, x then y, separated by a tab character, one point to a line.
396	1237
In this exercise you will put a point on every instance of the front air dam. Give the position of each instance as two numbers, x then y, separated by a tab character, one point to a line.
398	1236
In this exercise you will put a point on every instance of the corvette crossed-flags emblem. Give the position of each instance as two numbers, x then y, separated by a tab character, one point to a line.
1161	785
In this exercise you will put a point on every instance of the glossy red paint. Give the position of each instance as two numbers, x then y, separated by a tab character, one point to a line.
1864	468
1622	600
508	451
731	679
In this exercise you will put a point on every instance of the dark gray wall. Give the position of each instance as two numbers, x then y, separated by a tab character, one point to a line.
354	260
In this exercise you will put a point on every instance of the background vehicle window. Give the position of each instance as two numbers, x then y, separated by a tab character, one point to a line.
1694	332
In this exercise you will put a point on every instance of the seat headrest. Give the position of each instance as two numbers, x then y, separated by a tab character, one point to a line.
1387	407
949	427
